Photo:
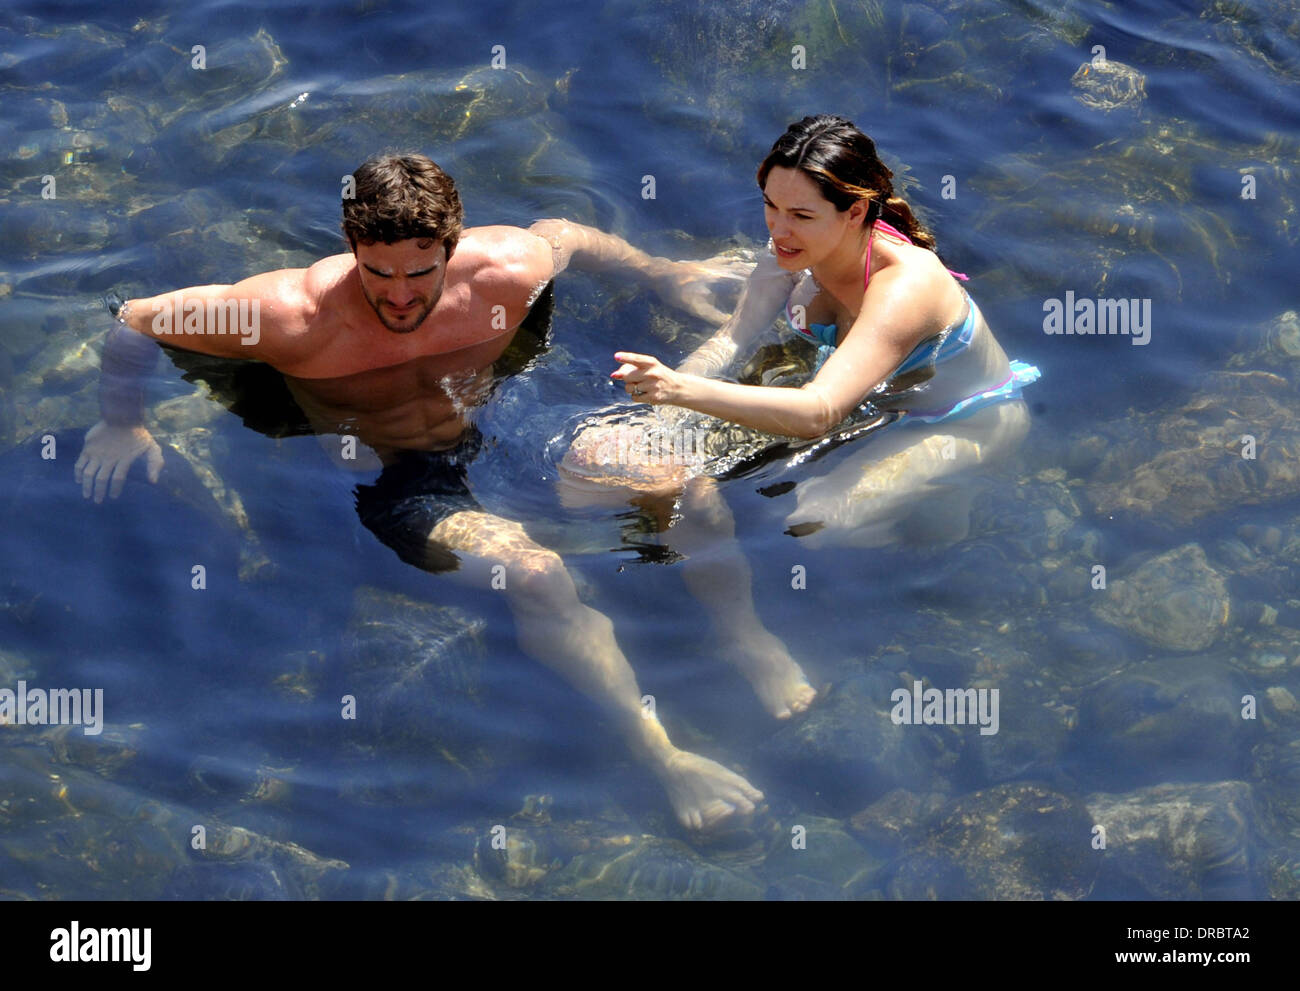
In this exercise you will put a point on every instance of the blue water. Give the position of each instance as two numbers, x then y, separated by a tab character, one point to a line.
163	183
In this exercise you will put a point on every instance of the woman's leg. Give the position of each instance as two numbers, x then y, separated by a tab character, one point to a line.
596	470
908	481
718	575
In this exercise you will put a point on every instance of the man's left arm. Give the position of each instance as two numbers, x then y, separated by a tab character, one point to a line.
683	283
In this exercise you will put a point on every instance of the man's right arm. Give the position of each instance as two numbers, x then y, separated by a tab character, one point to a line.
263	317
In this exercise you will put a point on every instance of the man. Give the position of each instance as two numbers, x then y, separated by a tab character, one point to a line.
392	343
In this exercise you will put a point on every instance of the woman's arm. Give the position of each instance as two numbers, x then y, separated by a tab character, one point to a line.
775	410
871	350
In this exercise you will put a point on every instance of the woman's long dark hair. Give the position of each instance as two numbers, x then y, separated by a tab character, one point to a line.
842	161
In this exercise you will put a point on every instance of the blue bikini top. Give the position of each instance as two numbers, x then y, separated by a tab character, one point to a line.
948	343
945	343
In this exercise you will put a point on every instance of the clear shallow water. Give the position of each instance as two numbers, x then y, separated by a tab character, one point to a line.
223	702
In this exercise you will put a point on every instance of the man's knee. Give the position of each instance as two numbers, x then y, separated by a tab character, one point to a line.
538	580
479	533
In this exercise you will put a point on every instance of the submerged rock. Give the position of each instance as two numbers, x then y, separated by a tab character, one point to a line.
847	750
13	667
26	324
1282	875
1169	720
255	880
421	881
415	669
709	57
1015	841
1174	601
1104	84
442	104
1232	444
45	228
86	837
943	52
887	823
1029	743
1276	771
1260	33
648	868
508	109
822	850
1176	842
233	781
532	851
110	753
1080	655
1123	218
1272	346
234	67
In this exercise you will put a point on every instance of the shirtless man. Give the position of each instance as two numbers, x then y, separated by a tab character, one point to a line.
392	343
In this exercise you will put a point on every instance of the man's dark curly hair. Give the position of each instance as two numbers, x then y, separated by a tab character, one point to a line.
402	196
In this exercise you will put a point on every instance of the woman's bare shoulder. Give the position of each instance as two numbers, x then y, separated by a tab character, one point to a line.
920	285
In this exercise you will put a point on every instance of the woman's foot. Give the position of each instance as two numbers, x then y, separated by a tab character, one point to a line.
776	677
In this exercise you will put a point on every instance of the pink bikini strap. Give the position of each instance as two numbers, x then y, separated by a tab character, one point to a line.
881	225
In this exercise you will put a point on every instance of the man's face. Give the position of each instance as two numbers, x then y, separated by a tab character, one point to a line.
402	281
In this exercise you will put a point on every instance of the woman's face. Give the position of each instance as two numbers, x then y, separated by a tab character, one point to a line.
805	226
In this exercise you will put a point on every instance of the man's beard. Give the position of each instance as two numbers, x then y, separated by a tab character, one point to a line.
403	327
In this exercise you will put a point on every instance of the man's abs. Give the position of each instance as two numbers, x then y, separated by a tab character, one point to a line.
416	407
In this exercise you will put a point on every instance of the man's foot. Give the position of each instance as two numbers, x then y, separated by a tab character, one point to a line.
776	677
703	793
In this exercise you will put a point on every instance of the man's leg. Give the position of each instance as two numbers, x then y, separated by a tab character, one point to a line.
577	642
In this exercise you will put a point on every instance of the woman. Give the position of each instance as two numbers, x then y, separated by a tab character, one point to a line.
900	341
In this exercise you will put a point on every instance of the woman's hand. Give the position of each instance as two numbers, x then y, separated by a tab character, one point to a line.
647	379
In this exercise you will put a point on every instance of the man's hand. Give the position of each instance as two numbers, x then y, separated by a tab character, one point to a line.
646	378
108	455
693	285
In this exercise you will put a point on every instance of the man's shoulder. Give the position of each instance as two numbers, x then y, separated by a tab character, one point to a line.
330	270
502	266
499	256
326	275
497	236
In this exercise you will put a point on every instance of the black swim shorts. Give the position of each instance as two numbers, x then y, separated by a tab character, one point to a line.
415	493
